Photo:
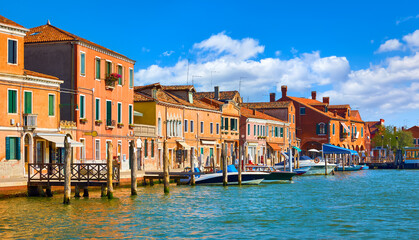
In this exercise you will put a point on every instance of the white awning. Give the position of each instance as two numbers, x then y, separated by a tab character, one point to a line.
184	145
138	114
345	127
207	142
58	139
251	144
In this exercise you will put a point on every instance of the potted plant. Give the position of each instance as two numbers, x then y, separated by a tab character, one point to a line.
98	122
131	126
111	80
120	125
83	120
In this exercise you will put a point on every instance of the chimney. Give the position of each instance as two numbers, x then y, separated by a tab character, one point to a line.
402	128
382	122
313	95
326	100
217	92
395	129
335	113
284	91
272	97
254	111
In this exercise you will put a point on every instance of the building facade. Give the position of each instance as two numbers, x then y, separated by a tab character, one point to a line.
415	134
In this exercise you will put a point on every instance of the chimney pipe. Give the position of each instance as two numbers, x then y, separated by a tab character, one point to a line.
335	113
313	95
254	111
272	97
326	100
284	91
216	92
395	129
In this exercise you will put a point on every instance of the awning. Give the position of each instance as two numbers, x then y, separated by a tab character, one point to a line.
329	149
58	139
314	150
274	146
345	127
184	145
208	142
298	149
252	144
138	114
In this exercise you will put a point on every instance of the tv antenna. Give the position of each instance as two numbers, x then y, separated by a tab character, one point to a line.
195	76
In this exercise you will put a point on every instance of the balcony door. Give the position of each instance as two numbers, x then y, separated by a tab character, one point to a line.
28	103
108	113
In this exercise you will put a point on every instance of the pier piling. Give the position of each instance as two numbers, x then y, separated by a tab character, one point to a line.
77	191
192	169
102	191
239	174
165	168
85	192
134	168
110	168
67	171
48	191
224	161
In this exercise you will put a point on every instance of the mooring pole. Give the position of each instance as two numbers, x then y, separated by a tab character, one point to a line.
67	173
134	168
325	163
239	174
224	160
192	168
166	176
110	170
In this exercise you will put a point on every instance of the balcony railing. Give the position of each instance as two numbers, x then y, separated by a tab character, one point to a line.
30	121
141	130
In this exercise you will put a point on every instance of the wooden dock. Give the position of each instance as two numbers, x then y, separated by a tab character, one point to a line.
177	176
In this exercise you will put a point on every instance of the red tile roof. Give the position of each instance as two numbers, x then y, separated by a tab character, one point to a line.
139	97
373	126
338	106
224	95
9	22
37	74
306	102
414	130
250	113
179	88
355	116
49	33
267	105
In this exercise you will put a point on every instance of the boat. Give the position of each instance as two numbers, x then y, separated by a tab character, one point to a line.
248	178
274	174
365	167
301	170
349	168
316	166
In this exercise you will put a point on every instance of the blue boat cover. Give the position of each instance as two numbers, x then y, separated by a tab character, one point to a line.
230	168
304	157
329	148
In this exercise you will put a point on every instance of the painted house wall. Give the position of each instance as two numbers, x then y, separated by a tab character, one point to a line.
6	67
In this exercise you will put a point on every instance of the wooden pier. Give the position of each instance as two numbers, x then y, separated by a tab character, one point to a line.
177	176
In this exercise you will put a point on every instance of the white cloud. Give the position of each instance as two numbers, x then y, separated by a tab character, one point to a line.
390	45
168	53
144	49
412	40
406	19
277	53
386	88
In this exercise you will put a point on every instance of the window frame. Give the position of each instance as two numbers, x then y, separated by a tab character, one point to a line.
119	112
185	125
192	126
17	51
84	106
106	118
217	128
106	67
131	78
211	128
97	155
83	149
97	110
96	68
81	66
122	75
201	127
17	101
130	115
53	102
24	101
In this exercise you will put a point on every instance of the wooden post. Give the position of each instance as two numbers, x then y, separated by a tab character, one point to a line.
102	191
48	191
67	171
239	174
325	162
110	170
166	176
86	192
224	160
192	168
214	168
134	167
76	191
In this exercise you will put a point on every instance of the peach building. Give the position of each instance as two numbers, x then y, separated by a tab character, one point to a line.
97	93
29	115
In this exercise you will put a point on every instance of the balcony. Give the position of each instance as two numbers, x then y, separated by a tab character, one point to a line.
110	81
30	121
141	130
343	136
110	124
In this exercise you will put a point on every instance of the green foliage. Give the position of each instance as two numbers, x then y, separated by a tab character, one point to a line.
405	139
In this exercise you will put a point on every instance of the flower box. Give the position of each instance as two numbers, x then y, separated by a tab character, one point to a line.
110	81
98	122
131	126
83	120
120	125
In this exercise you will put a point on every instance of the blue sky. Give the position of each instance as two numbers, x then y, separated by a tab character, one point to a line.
357	52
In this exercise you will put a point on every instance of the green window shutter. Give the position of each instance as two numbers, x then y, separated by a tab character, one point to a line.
28	102
326	128
235	124
231	124
317	128
130	115
362	132
282	132
226	123
7	148
97	109
119	112
120	73
82	64
12	101
222	123
145	148
18	148
108	113
81	106
254	130
248	129
51	105
152	148
97	68
131	78
333	130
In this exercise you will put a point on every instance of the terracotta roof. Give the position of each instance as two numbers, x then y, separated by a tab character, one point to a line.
373	126
37	74
250	113
355	115
414	130
307	104
139	97
49	33
265	105
179	88
211	101
9	22
139	88
338	106
224	95
308	101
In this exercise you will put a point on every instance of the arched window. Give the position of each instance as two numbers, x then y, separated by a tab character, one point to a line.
321	128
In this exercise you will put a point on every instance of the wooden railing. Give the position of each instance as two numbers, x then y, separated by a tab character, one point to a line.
80	172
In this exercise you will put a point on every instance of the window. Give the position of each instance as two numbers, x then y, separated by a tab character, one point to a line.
217	128
186	125
152	148
190	97
82	63
254	130
289	117
97	153
192	129
27	102
349	112
12	98
108	113
12	51
82	150
202	127
97	68
97	109
12	148
248	129
258	130
130	114
362	131
226	123
333	129
222	123
414	141
120	73
119	112
145	148
159	126
40	152
293	118
108	69
282	132
51	105
321	128
211	128
131	77
264	131
232	124
82	106
276	132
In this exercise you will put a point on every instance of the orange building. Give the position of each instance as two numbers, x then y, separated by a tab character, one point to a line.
190	126
29	115
415	133
97	92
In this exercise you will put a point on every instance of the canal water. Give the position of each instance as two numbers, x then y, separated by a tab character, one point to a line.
360	205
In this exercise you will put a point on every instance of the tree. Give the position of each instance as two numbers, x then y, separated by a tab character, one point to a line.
392	138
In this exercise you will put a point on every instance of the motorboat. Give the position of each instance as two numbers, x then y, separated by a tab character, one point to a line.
349	168
317	165
301	170
274	174
365	167
248	178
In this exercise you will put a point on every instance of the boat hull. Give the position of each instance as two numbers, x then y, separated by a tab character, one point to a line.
279	176
319	169
349	168
248	178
